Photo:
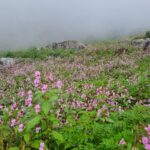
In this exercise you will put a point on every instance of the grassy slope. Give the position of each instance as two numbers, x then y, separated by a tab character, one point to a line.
104	66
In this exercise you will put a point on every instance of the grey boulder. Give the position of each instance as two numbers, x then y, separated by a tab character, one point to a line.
7	61
142	43
66	45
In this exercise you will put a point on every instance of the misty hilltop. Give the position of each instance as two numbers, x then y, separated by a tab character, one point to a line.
36	23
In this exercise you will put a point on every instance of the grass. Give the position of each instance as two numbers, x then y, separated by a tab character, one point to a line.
37	54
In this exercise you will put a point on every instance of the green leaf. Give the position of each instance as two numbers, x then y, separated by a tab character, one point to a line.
13	148
27	137
35	144
32	123
45	107
58	137
54	120
54	98
109	120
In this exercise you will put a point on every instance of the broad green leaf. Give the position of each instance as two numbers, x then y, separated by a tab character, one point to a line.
32	123
35	144
44	126
58	137
54	120
45	107
54	98
109	120
13	148
27	137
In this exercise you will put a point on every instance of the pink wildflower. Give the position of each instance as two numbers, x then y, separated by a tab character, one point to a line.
59	101
37	108
21	113
99	113
147	146
14	106
13	122
30	93
37	75
122	142
107	93
51	78
59	111
21	126
83	96
44	88
41	146
28	101
37	130
148	129
21	93
144	140
59	84
36	82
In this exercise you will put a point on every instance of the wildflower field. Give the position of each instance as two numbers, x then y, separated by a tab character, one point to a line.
92	99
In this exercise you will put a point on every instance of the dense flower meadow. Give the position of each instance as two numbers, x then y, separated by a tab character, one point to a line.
79	104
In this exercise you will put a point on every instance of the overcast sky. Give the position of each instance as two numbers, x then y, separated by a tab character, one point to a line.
26	23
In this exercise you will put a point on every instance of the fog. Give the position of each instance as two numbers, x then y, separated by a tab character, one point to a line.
26	23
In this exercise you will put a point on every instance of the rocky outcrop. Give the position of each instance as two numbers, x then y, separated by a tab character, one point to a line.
66	45
142	43
7	61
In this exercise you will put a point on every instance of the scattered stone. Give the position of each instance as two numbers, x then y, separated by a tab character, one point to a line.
7	61
147	45
67	45
142	43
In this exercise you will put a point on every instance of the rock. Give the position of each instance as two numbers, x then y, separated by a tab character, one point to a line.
66	45
142	43
147	46
7	61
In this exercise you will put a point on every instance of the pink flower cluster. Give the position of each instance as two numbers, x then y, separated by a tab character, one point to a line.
21	93
106	91
21	126
41	146
14	106
44	88
51	77
88	105
148	129
37	108
146	140
59	101
13	122
104	112
28	101
37	78
59	84
61	115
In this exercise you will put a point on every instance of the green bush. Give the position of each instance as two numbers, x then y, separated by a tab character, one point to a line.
147	34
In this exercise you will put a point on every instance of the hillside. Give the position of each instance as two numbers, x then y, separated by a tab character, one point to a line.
96	98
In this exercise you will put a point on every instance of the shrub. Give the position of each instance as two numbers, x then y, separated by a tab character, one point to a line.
147	34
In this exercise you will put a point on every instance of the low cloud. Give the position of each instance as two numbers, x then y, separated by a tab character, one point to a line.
29	23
